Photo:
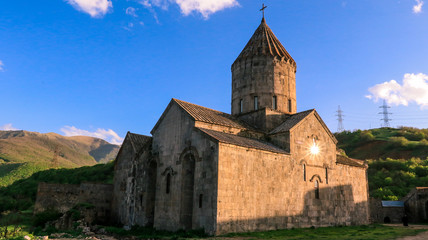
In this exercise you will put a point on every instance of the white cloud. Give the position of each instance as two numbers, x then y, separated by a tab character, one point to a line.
7	127
108	135
1	66
414	89
418	7
204	7
131	11
95	8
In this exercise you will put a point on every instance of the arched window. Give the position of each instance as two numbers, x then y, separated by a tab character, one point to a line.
289	105
304	172
317	190
168	183
200	200
241	106
256	103
274	103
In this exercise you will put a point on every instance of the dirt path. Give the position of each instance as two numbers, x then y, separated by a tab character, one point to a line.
420	236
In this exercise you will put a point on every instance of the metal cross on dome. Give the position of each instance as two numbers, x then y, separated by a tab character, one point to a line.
263	9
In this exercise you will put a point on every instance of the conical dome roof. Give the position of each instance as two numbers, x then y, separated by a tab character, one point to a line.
264	42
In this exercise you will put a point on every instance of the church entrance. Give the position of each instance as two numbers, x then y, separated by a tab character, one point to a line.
187	186
151	193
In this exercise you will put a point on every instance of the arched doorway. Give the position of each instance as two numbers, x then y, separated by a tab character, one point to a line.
187	190
387	220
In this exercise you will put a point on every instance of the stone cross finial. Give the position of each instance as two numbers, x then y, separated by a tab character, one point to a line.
263	9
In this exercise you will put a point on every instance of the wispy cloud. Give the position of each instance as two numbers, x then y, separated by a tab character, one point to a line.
95	8
131	11
1	66
108	135
204	7
7	127
414	89
417	8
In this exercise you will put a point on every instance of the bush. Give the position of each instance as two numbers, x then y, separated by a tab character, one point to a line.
367	136
399	141
40	219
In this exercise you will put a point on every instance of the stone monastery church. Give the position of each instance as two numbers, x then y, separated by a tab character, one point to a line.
265	166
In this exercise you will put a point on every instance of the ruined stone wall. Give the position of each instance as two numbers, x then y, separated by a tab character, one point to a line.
187	170
63	197
134	186
416	205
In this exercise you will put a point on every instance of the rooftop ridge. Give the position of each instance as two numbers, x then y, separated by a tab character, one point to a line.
264	42
242	141
181	101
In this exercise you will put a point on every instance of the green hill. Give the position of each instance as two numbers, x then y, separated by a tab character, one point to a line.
397	158
23	153
397	143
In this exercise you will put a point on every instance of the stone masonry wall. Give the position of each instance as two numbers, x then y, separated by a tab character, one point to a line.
188	160
264	77
260	190
379	214
265	191
134	185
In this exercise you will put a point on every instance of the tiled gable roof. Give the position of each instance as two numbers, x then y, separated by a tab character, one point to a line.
290	122
208	115
264	42
138	140
350	161
393	204
242	141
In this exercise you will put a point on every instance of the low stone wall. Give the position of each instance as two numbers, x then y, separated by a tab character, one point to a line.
63	197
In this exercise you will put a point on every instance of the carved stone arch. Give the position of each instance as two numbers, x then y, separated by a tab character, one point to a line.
303	161
169	170
152	161
188	151
316	177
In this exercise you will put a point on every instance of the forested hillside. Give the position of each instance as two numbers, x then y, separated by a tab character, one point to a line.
398	158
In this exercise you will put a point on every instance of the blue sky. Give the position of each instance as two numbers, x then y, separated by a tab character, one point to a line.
105	67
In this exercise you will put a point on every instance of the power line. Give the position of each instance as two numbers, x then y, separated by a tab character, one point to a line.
385	114
339	119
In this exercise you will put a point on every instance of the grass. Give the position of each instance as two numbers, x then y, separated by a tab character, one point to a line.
25	220
18	224
150	233
367	232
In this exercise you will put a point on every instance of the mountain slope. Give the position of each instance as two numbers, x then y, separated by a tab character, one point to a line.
54	149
